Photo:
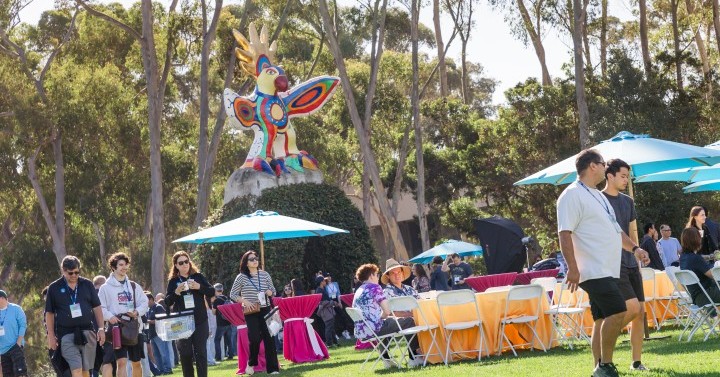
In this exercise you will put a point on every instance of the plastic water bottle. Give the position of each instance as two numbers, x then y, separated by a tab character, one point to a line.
116	337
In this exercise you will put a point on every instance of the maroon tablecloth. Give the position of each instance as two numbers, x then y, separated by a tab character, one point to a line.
234	314
481	283
525	277
298	347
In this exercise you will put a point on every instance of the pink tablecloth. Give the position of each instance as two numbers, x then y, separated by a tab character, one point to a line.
301	344
347	299
482	283
526	277
234	314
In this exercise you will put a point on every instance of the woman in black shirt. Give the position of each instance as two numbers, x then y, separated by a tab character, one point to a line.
692	261
188	289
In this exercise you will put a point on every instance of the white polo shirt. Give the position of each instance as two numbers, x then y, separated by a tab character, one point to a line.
596	235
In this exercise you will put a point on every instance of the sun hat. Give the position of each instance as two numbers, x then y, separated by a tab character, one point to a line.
391	264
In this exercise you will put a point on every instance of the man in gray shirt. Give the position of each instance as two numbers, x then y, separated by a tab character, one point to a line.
617	174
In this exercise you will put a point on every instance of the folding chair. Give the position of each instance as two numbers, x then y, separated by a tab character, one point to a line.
684	301
521	293
567	316
548	285
648	274
460	297
666	301
702	317
375	340
408	304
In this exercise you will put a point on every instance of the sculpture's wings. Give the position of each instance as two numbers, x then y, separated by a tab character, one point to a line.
240	109
310	96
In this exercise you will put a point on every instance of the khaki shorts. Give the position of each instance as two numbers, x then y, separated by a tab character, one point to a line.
79	357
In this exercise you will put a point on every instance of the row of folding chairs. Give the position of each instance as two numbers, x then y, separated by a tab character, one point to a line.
704	318
395	344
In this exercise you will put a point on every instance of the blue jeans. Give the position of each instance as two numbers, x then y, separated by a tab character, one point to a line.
233	339
223	333
161	350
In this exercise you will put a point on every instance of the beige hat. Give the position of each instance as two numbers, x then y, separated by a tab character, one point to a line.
392	264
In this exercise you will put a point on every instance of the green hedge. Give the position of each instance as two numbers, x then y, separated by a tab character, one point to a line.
338	254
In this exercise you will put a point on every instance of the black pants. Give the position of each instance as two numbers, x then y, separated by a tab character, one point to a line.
330	332
13	362
223	332
258	332
389	326
343	322
195	347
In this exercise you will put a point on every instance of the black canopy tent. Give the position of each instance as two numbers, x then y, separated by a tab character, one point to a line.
502	244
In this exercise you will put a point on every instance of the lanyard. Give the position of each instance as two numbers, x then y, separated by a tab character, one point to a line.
73	293
128	292
602	202
4	312
259	286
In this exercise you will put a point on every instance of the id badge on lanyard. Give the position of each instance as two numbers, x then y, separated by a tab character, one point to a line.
75	311
2	331
262	298
189	301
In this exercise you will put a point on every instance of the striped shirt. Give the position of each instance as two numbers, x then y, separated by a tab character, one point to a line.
247	288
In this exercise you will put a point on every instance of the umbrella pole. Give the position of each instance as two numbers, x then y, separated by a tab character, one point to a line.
262	252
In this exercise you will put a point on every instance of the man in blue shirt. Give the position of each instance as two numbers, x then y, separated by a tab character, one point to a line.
12	332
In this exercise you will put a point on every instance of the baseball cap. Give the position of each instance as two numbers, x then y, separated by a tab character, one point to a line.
3	294
218	287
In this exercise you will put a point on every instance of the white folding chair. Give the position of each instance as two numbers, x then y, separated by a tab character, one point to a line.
460	297
529	319
567	316
548	285
648	274
375	340
502	288
686	309
702	318
408	304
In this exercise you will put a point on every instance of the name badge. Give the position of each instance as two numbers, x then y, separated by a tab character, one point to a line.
333	295
75	310
456	278
130	305
262	298
189	302
2	331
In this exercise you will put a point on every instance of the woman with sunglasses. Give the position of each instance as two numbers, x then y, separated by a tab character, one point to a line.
187	289
254	289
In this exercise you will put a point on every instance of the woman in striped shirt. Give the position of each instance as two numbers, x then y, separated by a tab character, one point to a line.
254	288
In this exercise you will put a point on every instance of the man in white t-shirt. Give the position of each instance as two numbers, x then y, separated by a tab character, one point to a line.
669	247
591	242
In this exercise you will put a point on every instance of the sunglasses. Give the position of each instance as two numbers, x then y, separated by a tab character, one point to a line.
71	273
183	262
252	259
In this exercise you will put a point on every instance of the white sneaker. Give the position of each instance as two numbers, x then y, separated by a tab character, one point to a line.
275	372
390	363
346	334
417	361
249	370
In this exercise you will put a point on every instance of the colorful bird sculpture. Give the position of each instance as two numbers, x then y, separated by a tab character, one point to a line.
268	110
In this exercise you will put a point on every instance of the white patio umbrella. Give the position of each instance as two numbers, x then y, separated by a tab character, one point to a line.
260	226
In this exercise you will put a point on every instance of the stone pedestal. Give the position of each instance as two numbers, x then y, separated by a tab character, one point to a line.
245	181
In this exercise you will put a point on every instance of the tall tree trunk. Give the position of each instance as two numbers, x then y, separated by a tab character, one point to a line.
465	81
415	104
716	20
536	41
100	240
644	45
603	37
440	49
582	108
388	223
586	41
700	43
676	46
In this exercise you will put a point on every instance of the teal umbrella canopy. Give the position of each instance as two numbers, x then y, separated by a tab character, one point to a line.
464	249
644	154
696	174
265	224
711	185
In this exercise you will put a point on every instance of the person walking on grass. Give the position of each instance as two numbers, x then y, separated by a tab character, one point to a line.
592	242
617	175
12	338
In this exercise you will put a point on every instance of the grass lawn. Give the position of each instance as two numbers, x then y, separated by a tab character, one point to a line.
665	357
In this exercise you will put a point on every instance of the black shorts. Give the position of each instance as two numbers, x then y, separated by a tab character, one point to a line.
133	353
631	285
13	362
605	297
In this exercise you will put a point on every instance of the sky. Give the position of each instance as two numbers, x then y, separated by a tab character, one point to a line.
504	57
